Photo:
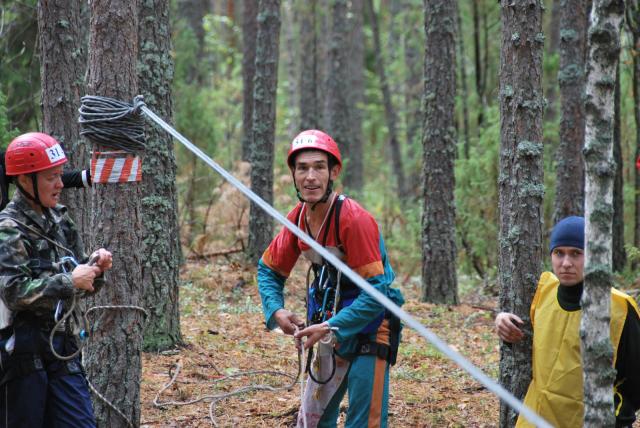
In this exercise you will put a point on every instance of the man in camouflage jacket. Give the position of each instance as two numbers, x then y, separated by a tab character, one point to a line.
41	273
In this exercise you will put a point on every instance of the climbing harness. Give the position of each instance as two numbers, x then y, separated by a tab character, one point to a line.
509	399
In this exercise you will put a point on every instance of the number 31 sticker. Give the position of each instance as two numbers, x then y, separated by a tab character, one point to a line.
55	153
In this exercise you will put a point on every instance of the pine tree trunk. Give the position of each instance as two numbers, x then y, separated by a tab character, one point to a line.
478	60
619	255
63	62
463	87
249	32
160	268
597	355
569	198
553	37
338	85
412	104
264	122
310	105
439	282
292	67
389	111
633	23
354	178
113	357
521	187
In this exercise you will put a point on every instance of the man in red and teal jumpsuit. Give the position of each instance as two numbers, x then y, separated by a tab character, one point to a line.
366	336
556	390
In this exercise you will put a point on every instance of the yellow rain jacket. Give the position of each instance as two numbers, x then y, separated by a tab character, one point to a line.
556	389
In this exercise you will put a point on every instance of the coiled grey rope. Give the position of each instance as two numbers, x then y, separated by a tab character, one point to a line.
442	346
113	123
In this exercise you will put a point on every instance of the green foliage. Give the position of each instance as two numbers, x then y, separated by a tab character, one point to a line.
6	134
477	197
19	65
208	110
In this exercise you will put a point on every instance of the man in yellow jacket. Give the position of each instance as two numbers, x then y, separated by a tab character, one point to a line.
556	389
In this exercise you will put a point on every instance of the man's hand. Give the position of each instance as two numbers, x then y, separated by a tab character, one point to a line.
83	276
507	327
287	321
313	333
104	259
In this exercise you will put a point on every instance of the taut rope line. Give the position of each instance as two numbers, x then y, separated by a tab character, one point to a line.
442	346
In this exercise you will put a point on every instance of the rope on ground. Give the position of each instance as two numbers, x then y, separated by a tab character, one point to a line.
215	398
442	346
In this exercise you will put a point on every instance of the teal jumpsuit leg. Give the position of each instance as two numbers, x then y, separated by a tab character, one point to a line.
368	385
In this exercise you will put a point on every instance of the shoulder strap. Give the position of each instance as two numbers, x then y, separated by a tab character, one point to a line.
339	203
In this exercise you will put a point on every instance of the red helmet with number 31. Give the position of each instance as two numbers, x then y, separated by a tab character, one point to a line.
312	139
33	152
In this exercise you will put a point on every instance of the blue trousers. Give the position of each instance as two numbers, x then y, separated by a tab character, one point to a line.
54	395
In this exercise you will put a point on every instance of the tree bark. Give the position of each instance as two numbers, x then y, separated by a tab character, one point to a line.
115	349
521	187
478	61
597	354
310	105
338	85
619	255
63	62
160	268
569	198
389	111
290	18
414	116
439	281
354	174
263	128
633	23
249	32
463	87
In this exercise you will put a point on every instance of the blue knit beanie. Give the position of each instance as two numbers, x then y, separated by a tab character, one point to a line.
568	232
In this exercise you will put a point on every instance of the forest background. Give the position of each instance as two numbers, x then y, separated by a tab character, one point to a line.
207	107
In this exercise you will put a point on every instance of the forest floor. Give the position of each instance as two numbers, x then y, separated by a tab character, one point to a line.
224	333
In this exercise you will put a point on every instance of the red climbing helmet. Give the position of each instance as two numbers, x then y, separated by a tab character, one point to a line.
33	152
313	139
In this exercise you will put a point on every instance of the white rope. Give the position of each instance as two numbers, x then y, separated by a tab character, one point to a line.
442	346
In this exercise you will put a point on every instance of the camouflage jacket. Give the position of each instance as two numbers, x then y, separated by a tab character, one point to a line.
32	279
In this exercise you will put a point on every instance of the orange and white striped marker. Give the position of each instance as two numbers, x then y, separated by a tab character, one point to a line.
115	167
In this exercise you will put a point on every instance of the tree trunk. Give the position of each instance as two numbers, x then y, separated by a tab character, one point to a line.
414	117
439	282
63	62
338	85
619	259
633	23
114	352
597	354
160	268
569	159
354	174
389	112
310	105
463	86
478	61
521	187
264	123
249	31
193	11
290	18
552	49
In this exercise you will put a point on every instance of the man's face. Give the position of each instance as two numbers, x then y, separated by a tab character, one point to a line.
568	265
311	174
49	185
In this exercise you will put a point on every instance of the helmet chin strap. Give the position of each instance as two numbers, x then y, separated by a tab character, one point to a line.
36	196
